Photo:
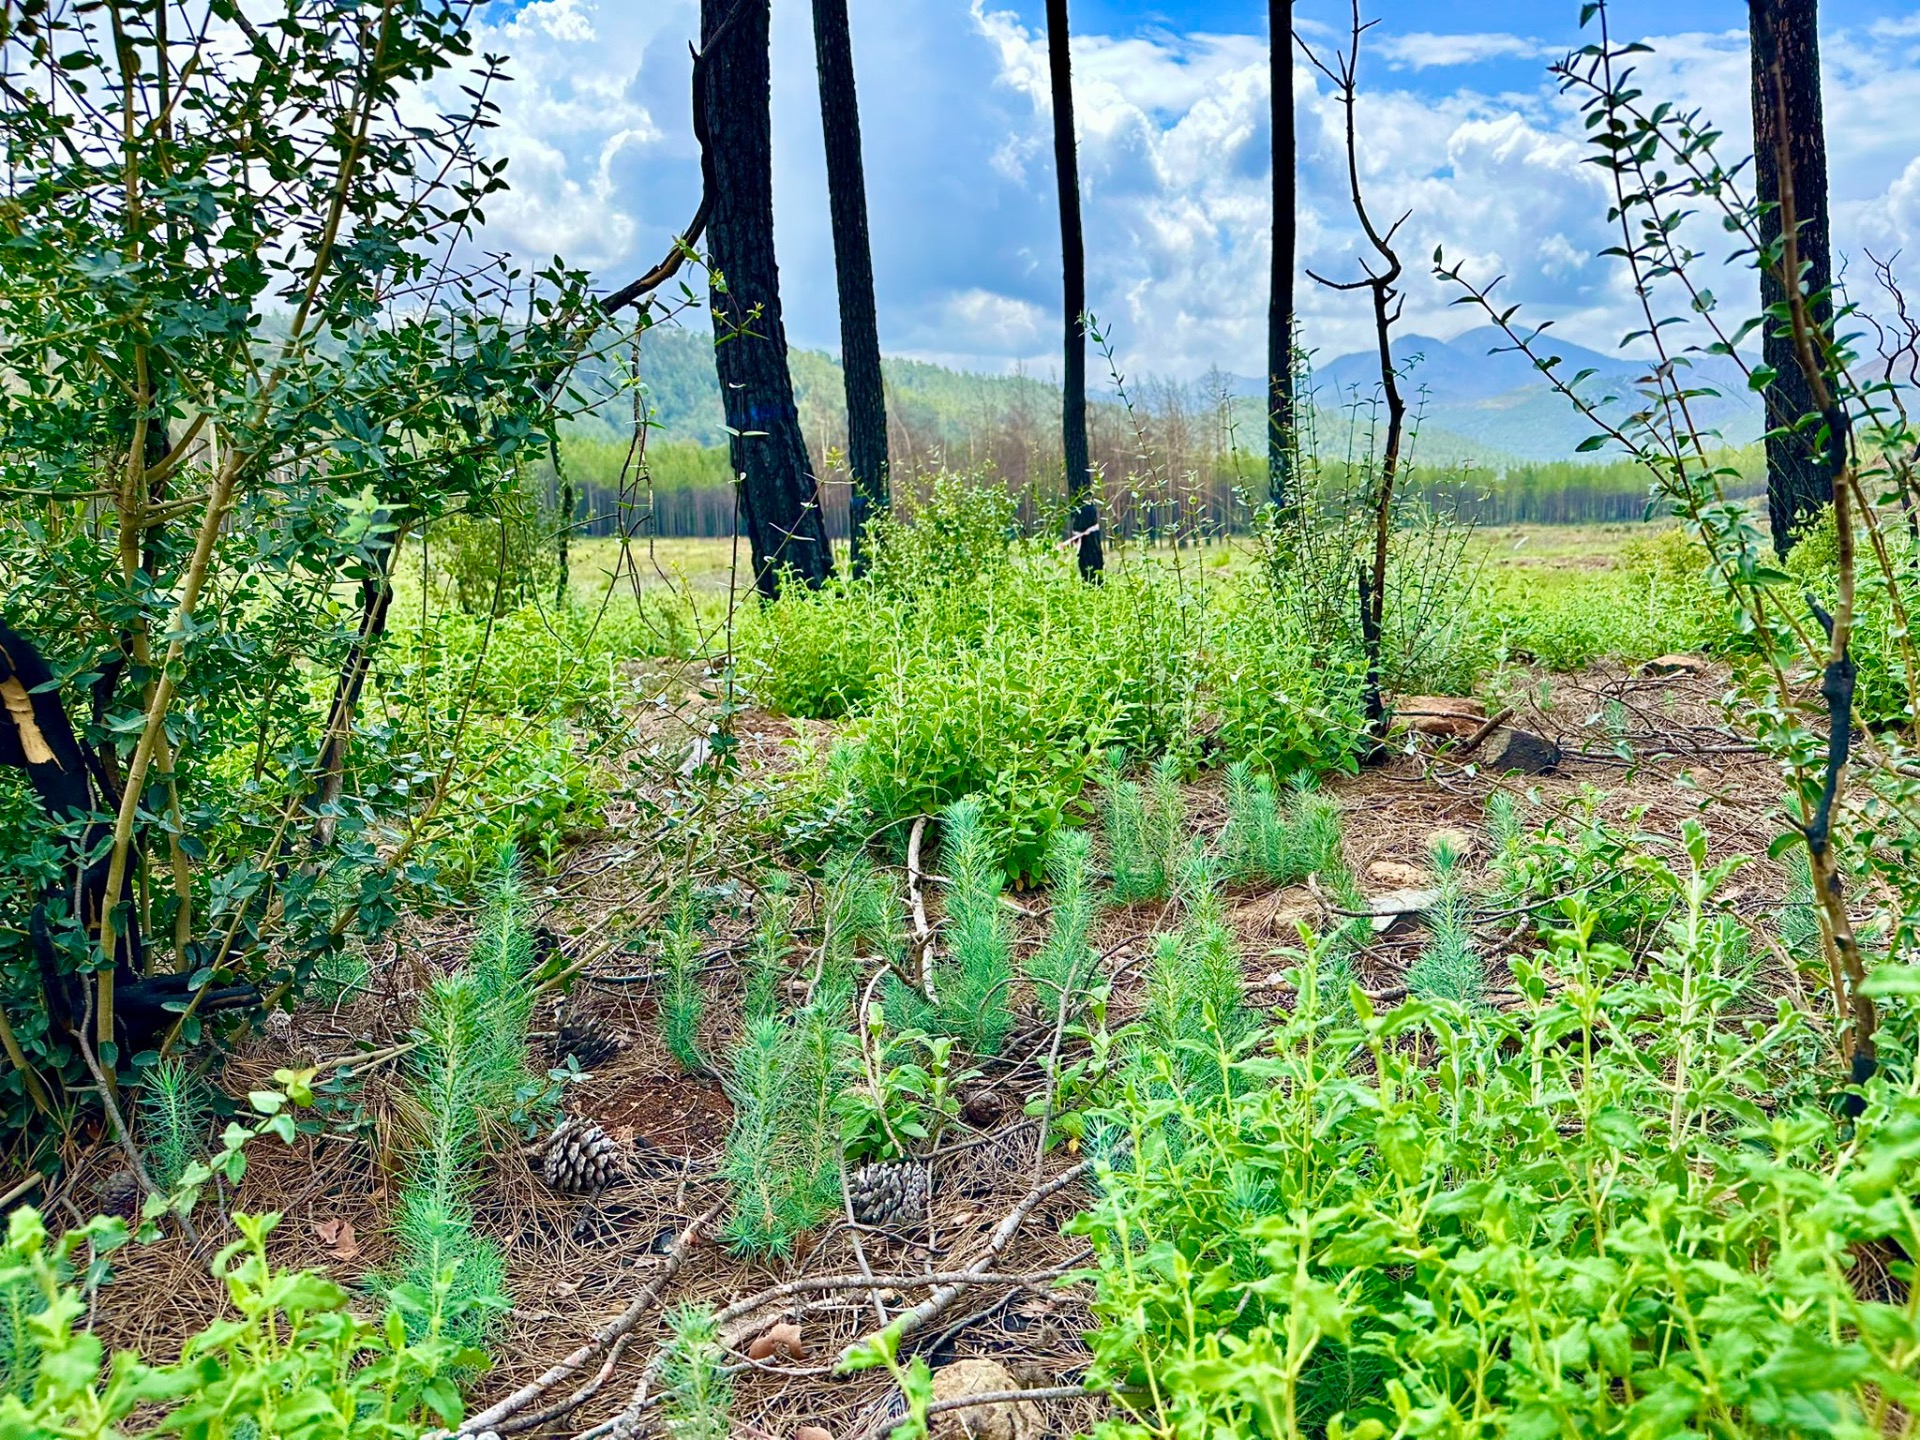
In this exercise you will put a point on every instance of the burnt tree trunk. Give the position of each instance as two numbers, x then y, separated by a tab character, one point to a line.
1280	447
1785	49
779	495
853	272
1083	508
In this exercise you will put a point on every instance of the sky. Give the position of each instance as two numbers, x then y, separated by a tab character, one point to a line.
1461	125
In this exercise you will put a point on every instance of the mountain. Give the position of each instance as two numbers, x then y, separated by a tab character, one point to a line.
1477	387
1475	399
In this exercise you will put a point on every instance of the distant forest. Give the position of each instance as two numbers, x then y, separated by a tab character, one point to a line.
1165	449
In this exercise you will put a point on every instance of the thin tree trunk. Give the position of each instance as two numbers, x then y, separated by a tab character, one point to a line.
1786	41
1084	516
853	272
1280	445
780	497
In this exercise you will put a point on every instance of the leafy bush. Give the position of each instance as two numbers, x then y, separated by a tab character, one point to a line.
294	1361
963	665
1391	1227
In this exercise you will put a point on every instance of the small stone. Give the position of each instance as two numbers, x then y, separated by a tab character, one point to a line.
1003	1420
1396	873
813	1432
1524	753
1675	665
1459	841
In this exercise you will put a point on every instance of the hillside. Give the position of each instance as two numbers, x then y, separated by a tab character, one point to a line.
1478	402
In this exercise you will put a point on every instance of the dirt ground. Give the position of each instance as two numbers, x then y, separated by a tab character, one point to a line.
1657	746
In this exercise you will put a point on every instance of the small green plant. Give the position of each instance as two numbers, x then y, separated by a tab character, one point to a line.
472	1082
175	1112
292	1359
1196	1017
780	1161
698	1395
772	950
900	1095
1061	968
1268	841
972	980
865	911
1449	967
683	1004
1144	829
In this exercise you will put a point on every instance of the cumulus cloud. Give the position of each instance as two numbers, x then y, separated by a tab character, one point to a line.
1174	144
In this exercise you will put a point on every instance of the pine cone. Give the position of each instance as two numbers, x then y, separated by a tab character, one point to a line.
589	1044
893	1192
982	1167
580	1158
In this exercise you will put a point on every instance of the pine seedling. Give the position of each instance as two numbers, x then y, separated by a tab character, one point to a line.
697	1398
1312	844
1253	840
767	960
1448	968
864	909
19	1351
682	1003
760	1086
972	984
1219	985
1130	857
1060	968
174	1106
1167	818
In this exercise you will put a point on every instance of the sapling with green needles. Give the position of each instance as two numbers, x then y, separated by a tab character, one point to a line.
1448	967
682	1003
772	949
174	1111
973	977
1060	968
471	1078
696	1393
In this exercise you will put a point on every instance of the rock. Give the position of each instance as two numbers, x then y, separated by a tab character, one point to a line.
813	1432
1675	665
1390	909
1524	753
1459	841
1450	717
1002	1420
1396	873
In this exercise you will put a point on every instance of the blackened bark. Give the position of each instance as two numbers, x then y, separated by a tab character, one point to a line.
853	271
780	497
1280	292
1786	43
1084	511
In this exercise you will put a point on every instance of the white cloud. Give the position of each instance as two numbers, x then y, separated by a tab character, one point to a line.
1422	50
956	117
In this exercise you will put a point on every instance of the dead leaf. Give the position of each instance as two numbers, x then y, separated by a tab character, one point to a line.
781	1340
337	1235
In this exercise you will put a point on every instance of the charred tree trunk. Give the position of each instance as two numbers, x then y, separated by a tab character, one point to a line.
1083	523
853	272
780	497
1789	142
1280	446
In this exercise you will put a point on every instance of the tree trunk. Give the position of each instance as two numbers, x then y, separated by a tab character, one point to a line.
1280	447
1786	44
1084	510
853	272
780	497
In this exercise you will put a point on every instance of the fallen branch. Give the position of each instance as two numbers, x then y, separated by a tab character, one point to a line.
922	932
609	1341
942	1298
1479	737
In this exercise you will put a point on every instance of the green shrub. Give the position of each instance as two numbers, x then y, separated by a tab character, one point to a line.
293	1359
1392	1227
1280	704
1881	648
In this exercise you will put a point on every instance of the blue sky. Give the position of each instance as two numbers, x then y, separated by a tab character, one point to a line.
1461	125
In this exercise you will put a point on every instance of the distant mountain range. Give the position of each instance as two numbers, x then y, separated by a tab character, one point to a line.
1474	387
1476	400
